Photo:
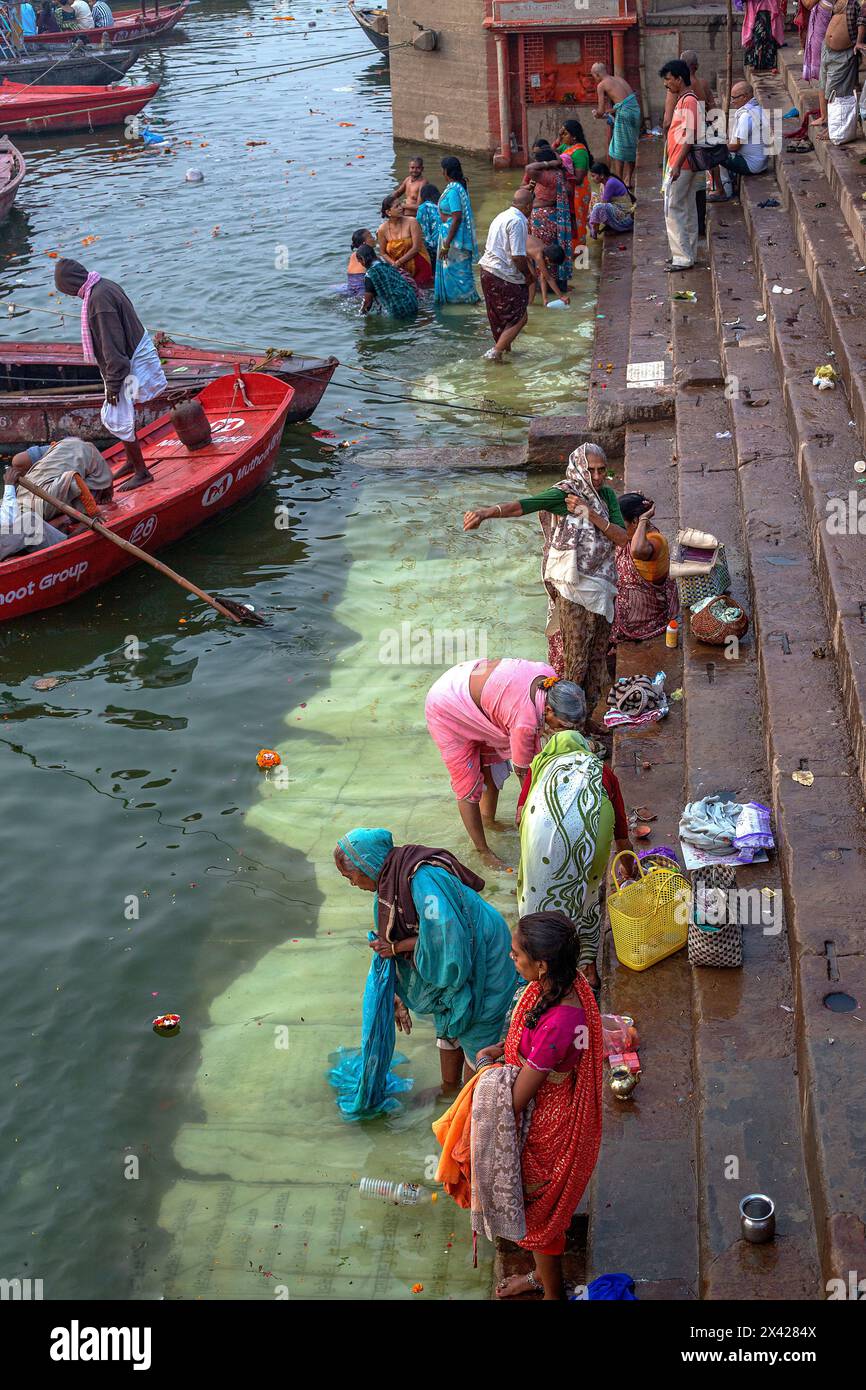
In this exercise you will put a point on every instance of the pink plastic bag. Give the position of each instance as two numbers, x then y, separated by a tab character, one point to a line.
620	1034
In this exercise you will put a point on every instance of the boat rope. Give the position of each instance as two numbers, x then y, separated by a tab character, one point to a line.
269	354
41	122
79	58
279	72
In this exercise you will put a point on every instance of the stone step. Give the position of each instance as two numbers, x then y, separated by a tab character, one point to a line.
648	1144
826	439
819	829
831	258
840	164
744	1048
631	315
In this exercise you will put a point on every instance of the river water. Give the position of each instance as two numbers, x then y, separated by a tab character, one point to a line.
148	865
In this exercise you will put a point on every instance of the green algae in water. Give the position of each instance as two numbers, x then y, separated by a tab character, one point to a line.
270	1207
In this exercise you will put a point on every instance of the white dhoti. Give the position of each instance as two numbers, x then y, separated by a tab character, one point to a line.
145	382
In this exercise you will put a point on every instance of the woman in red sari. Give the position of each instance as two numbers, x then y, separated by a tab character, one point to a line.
555	1038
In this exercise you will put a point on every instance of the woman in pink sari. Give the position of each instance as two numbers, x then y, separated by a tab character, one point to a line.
485	716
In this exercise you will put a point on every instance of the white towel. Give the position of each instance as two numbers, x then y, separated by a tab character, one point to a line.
146	380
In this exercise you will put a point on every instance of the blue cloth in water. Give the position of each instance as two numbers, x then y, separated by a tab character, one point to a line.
620	1286
362	1077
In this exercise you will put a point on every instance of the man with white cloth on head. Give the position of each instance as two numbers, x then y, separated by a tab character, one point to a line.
113	336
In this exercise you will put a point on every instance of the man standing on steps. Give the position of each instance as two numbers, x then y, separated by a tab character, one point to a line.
681	182
844	41
704	93
615	97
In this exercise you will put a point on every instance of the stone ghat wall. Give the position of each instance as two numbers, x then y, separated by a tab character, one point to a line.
667	32
447	97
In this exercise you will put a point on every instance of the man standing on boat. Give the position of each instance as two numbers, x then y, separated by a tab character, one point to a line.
113	336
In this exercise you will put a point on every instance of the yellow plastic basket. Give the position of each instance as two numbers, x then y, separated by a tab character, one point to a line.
649	915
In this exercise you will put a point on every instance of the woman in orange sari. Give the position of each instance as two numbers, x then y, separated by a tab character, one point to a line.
555	1039
401	242
572	146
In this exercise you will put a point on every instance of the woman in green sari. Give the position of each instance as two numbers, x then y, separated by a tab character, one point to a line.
570	810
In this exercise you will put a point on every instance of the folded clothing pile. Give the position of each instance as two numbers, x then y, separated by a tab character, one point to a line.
726	827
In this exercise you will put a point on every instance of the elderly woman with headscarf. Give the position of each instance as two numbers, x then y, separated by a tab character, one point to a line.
582	525
570	810
113	336
441	951
485	716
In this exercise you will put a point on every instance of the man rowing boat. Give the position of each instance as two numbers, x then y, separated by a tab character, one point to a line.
113	336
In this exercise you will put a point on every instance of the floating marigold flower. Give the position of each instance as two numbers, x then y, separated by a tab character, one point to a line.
268	758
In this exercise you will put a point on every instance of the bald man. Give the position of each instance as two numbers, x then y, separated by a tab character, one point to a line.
617	104
506	275
748	152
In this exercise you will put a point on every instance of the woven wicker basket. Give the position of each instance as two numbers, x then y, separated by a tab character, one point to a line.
709	626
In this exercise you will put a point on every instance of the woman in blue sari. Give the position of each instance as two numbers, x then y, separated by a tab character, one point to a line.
458	245
449	950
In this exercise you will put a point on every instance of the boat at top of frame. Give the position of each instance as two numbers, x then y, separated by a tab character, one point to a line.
128	24
29	110
78	65
374	23
12	171
47	389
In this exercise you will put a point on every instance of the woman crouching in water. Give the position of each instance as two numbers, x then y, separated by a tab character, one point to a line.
555	1038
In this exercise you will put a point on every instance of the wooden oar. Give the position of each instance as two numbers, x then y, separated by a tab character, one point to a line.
226	606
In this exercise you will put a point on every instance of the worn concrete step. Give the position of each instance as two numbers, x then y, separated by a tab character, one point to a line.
831	259
840	164
631	313
643	1200
749	1103
821	425
820	828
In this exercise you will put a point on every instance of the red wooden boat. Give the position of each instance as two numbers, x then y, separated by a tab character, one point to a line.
246	414
12	171
47	389
28	110
128	24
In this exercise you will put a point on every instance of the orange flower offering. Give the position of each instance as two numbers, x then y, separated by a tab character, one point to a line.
267	758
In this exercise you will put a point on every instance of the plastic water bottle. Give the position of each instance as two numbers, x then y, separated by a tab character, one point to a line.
402	1194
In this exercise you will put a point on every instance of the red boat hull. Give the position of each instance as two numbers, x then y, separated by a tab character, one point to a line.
128	25
12	171
33	415
189	488
26	109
